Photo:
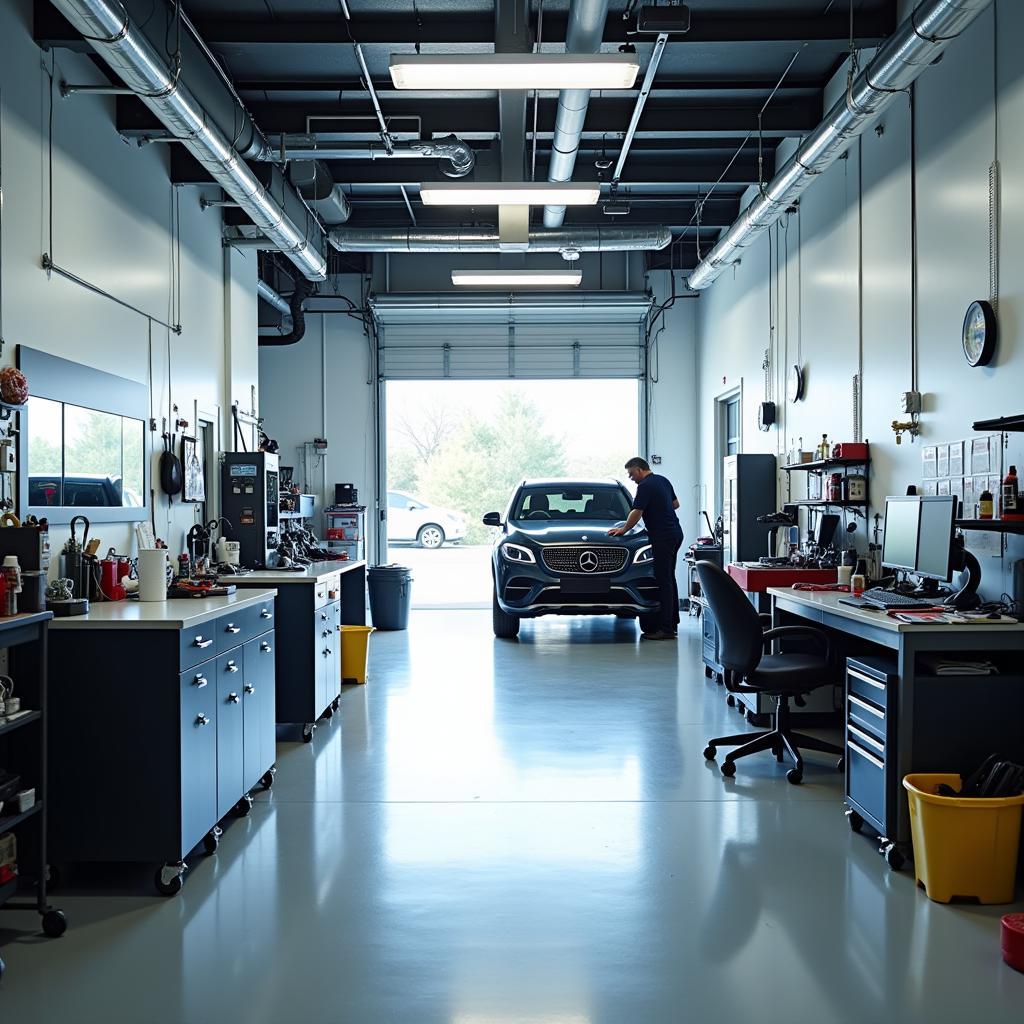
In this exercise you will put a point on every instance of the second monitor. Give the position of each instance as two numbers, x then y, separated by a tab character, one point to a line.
919	532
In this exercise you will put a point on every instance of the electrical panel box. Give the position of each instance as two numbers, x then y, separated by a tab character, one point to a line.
250	502
910	402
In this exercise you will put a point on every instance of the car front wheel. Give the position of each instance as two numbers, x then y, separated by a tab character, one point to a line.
430	536
506	627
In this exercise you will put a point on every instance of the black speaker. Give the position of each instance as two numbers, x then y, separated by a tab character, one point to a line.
345	494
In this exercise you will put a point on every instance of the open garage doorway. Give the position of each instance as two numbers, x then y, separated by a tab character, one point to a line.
456	449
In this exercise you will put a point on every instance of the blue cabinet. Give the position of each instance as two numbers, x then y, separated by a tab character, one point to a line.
230	751
198	769
258	710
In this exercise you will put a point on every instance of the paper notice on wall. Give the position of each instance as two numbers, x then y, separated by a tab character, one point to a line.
928	456
980	456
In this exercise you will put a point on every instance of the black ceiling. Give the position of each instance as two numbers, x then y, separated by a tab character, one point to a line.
292	61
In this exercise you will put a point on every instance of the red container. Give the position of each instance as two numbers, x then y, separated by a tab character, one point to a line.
1013	940
850	450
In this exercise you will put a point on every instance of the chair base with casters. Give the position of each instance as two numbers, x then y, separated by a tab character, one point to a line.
780	740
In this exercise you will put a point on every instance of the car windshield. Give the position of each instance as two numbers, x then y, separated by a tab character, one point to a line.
606	503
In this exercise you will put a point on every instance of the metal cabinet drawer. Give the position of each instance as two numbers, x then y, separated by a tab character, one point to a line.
866	779
197	644
233	630
198	697
868	716
263	617
866	686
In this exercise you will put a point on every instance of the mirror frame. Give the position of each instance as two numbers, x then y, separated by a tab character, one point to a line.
61	380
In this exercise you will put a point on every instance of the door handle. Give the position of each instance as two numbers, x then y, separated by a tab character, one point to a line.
200	681
249	688
232	628
232	698
202	720
265	647
231	667
265	613
200	642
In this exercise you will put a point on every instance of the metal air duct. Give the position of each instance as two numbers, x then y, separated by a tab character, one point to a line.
459	155
268	294
583	35
570	242
896	65
108	28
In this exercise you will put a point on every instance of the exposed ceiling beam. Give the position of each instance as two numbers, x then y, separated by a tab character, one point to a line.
469	118
707	28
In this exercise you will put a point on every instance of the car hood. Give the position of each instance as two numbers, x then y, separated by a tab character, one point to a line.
592	532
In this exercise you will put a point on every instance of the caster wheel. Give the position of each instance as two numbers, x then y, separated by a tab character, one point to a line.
336	703
328	711
841	765
268	779
55	924
212	840
894	858
307	732
856	822
169	879
720	679
707	672
244	806
728	769
749	716
731	701
795	776
709	752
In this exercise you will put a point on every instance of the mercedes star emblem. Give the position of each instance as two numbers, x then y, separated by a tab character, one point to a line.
588	561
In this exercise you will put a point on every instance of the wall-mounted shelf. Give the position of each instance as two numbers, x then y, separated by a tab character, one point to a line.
824	465
836	504
992	525
1010	423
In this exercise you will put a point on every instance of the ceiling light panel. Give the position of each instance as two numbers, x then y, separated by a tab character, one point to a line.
514	70
509	193
517	278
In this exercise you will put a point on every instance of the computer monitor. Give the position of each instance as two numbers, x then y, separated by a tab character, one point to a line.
902	522
935	537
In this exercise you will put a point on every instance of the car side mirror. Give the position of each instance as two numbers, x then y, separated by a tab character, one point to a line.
492	519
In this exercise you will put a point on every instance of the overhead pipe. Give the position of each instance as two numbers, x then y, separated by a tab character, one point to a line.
918	42
457	154
583	35
303	289
109	29
268	294
570	242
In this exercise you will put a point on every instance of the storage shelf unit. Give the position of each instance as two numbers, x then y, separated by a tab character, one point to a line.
1008	423
821	467
811	502
346	531
991	525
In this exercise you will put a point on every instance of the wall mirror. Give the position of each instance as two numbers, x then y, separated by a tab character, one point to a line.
82	443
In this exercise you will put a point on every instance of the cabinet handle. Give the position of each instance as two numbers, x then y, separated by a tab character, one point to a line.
867	757
265	647
265	613
200	642
232	628
866	679
200	681
232	698
202	720
323	618
327	651
231	667
249	688
864	705
865	738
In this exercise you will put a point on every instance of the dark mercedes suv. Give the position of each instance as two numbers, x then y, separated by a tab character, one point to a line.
554	556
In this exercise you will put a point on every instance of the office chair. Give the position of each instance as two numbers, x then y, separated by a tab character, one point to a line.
748	670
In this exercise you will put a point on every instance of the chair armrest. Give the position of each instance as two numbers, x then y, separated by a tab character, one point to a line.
817	634
766	619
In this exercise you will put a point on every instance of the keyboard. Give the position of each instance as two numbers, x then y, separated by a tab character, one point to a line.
890	599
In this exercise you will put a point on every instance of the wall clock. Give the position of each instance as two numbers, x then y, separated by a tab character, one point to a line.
795	383
979	333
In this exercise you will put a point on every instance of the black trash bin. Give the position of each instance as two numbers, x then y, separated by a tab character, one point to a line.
390	595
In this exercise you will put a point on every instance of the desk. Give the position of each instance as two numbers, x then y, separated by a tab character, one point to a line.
941	723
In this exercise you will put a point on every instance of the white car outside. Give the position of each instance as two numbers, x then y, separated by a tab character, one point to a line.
410	519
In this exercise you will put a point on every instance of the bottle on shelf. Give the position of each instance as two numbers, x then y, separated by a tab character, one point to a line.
823	449
986	509
1009	497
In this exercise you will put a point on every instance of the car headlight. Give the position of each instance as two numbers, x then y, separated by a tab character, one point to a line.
517	553
644	554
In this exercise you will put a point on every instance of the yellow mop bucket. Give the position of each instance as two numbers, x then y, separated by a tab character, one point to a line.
355	643
963	846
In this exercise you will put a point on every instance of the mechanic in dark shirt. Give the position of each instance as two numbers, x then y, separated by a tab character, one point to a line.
656	501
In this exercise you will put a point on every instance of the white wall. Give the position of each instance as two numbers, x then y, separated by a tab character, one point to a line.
860	208
112	225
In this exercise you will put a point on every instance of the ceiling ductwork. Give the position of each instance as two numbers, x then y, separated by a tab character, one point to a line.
303	289
916	44
110	30
268	295
457	157
583	35
316	185
569	242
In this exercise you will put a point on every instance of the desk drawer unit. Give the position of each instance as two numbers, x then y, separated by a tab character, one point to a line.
870	741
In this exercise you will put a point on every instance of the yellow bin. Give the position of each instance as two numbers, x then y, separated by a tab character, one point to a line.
963	846
355	641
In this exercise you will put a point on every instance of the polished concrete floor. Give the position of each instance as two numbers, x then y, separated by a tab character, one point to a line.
520	833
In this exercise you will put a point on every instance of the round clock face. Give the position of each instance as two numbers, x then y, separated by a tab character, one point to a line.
795	384
979	333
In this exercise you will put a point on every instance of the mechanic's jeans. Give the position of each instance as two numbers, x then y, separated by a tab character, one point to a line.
665	550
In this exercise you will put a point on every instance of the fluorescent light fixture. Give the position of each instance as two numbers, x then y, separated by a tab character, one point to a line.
514	70
509	193
517	278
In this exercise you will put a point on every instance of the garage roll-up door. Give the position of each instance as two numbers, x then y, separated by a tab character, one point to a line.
465	337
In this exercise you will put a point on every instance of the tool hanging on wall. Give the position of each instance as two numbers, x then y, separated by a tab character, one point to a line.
170	468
